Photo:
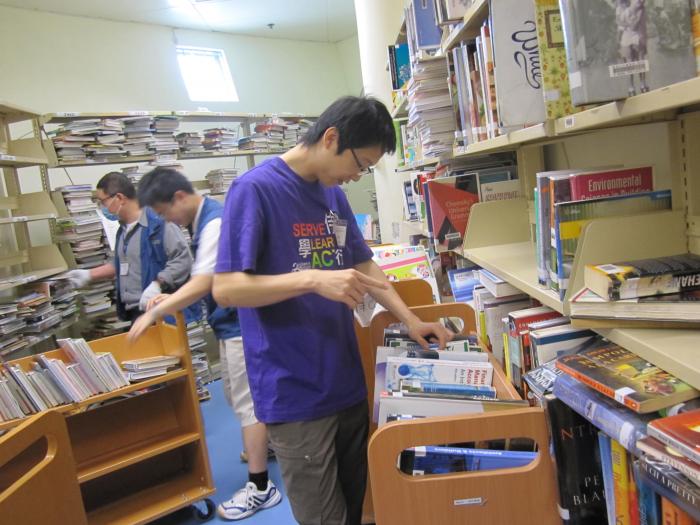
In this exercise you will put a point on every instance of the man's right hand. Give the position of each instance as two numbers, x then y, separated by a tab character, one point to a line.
79	278
345	286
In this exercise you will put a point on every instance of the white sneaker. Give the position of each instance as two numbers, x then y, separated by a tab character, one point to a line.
249	500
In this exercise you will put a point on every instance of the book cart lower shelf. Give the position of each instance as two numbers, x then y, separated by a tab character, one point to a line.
140	451
525	495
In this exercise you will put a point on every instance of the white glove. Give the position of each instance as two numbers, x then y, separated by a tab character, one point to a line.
149	293
79	278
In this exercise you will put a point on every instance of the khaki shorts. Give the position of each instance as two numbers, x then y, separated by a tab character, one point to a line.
235	378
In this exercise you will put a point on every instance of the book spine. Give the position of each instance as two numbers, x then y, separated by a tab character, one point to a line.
684	497
620	483
633	495
649	504
608	484
674	515
673	443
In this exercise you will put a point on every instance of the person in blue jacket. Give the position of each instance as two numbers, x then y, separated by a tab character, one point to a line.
172	196
150	256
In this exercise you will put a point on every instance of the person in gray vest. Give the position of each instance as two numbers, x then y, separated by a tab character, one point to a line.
172	196
150	256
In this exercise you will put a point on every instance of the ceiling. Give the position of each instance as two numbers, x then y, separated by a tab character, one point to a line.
314	20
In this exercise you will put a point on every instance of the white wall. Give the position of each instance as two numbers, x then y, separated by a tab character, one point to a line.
52	63
378	25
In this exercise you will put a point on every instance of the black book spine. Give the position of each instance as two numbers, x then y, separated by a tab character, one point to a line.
579	472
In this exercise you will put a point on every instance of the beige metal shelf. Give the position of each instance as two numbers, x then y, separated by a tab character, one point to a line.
20	161
621	112
68	116
27	218
517	264
13	113
471	25
420	164
508	141
401	110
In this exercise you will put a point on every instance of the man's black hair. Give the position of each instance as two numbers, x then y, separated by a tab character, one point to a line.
361	122
116	182
159	185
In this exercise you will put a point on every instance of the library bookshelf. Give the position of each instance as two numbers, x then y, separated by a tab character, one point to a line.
139	452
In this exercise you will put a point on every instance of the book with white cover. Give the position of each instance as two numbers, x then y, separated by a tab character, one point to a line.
517	63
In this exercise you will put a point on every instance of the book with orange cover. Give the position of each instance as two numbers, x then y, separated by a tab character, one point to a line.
681	432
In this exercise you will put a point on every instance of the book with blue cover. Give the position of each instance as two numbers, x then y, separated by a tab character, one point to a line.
442	460
608	481
462	283
615	420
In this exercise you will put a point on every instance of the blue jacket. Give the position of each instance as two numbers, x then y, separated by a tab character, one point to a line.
224	321
153	260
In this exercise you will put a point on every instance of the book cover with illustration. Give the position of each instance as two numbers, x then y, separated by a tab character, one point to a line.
681	432
517	64
555	75
626	378
451	199
620	48
571	217
644	277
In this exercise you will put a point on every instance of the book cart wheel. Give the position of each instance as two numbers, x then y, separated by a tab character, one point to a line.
206	515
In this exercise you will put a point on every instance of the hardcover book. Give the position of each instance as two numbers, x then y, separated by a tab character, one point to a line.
672	485
626	378
662	452
617	49
622	181
645	277
575	444
450	204
517	64
681	432
420	461
616	421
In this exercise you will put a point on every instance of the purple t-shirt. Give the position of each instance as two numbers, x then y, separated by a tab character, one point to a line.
301	354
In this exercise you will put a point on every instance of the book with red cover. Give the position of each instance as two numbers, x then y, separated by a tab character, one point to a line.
663	452
450	202
681	432
596	184
626	377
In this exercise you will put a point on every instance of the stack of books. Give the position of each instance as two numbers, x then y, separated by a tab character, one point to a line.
11	329
97	140
221	179
220	139
164	128
138	136
50	382
658	292
135	173
147	367
430	108
190	142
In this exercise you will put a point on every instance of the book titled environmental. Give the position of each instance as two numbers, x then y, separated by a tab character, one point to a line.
626	378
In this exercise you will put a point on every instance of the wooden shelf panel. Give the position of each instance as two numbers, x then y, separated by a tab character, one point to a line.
508	141
675	351
686	93
133	454
517	264
77	408
20	161
152	503
471	24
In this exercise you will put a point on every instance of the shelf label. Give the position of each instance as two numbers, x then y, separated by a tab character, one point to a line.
7	157
569	122
469	501
139	113
68	114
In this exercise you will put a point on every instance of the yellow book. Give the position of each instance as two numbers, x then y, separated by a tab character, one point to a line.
621	483
506	356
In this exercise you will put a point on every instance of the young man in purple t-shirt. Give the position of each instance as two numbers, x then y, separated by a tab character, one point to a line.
293	261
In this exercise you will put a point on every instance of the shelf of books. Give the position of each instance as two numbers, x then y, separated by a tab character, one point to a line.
20	161
470	26
509	140
37	262
132	417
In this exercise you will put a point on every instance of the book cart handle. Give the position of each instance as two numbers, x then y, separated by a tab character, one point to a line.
523	495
